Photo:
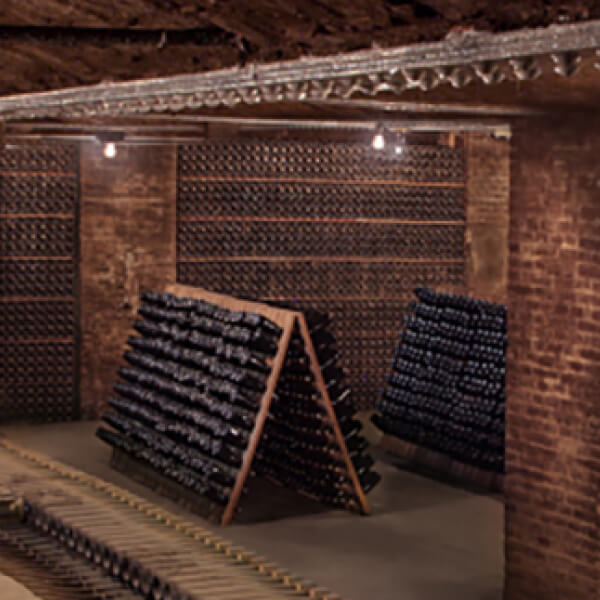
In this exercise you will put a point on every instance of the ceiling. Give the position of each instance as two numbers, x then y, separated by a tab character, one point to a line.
53	44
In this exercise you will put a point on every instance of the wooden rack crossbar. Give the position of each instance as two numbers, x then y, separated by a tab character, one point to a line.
363	182
287	320
15	216
6	299
278	219
15	173
320	259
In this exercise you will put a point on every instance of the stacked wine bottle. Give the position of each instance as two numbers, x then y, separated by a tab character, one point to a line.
299	448
186	401
446	390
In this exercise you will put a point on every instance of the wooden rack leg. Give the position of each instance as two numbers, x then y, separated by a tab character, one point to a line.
322	387
261	417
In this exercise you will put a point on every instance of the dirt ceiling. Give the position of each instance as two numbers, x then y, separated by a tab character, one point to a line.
50	44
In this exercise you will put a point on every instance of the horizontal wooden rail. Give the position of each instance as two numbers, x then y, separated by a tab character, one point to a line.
334	259
361	220
22	341
36	299
10	173
37	215
18	258
406	298
396	182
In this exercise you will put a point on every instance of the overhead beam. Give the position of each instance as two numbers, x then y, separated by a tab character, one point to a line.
192	125
456	61
397	106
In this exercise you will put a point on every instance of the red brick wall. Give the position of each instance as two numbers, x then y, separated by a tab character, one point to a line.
553	363
127	241
487	207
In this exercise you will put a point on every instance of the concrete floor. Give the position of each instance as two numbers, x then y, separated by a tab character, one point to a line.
13	590
425	540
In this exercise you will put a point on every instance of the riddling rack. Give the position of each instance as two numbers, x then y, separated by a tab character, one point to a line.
296	429
444	402
214	382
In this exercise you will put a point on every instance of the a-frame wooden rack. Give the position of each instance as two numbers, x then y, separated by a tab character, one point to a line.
291	323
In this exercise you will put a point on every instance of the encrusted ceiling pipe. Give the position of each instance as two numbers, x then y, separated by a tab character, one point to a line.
458	61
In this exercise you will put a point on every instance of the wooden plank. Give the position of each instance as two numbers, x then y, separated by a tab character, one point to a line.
280	316
322	388
366	220
36	299
9	173
259	424
305	299
9	258
356	259
49	340
37	216
394	182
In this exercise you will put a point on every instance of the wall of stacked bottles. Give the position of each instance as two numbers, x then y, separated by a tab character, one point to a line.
333	226
38	273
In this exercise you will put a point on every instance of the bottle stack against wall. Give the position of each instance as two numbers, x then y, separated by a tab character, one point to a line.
186	402
446	390
38	291
299	448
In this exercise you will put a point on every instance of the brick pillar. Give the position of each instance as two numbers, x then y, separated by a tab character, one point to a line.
487	208
553	363
127	236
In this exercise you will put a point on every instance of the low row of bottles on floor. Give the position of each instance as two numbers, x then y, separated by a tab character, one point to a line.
299	448
446	390
187	399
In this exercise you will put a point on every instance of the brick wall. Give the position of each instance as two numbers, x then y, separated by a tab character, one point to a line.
553	363
127	239
487	208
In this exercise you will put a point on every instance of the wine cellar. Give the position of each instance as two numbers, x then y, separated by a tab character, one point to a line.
357	252
290	314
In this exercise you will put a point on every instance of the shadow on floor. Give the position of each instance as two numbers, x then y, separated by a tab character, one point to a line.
266	501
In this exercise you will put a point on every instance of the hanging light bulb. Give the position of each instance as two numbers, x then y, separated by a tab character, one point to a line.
399	144
108	141
378	141
110	150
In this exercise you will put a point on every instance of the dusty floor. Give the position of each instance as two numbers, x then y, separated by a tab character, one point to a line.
13	590
424	541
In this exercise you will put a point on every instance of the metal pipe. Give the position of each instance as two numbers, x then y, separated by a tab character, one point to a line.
393	125
435	108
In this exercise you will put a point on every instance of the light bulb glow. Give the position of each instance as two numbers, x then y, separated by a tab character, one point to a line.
110	150
398	150
378	141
